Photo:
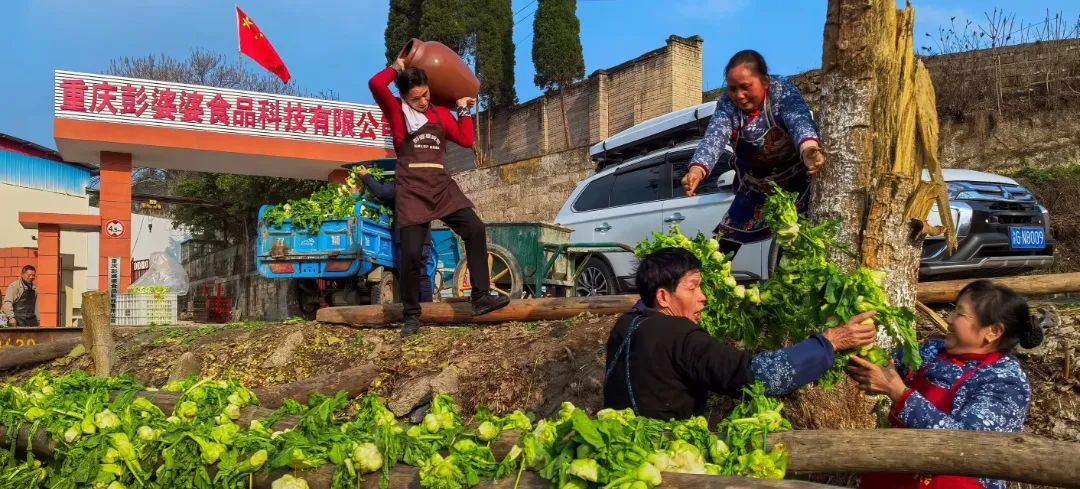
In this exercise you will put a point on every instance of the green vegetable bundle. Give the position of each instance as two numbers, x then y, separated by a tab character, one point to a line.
108	437
334	201
804	295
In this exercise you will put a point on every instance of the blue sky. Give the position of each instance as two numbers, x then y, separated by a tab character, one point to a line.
339	44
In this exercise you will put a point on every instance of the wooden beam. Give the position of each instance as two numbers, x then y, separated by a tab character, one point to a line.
40	442
547	309
555	308
404	476
34	354
1029	285
1009	456
355	381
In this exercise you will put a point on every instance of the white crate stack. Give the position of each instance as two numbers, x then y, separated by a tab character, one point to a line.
145	309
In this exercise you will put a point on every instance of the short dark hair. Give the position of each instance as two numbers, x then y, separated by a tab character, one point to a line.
410	78
662	269
752	60
997	304
28	268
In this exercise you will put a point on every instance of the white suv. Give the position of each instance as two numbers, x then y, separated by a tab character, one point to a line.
626	203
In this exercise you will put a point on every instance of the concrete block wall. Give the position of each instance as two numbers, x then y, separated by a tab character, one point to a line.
608	101
526	190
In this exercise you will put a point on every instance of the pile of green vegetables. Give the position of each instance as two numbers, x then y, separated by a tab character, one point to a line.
334	201
805	294
158	291
108	436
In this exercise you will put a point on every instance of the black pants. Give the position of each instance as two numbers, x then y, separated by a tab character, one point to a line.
426	256
464	223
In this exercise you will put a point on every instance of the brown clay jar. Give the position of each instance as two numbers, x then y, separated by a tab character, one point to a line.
449	78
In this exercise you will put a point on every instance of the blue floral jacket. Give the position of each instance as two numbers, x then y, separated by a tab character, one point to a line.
994	399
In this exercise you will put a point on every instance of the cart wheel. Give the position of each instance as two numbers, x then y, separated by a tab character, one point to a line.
385	291
595	278
503	270
438	287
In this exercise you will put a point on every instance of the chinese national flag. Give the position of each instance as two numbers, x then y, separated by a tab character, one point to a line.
255	44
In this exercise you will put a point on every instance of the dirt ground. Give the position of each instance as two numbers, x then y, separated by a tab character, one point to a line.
531	366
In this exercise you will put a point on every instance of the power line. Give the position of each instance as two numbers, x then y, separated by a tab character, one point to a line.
525	18
523	8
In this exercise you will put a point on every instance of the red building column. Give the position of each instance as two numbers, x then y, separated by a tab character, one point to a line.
115	206
48	275
338	176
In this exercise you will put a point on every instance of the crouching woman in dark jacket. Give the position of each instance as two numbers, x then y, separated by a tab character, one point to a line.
661	364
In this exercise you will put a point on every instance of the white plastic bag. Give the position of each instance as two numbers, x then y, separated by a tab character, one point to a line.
164	271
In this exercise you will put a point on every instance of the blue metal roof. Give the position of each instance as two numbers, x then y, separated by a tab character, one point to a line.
41	174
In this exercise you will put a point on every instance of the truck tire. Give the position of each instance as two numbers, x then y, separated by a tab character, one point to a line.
385	291
308	297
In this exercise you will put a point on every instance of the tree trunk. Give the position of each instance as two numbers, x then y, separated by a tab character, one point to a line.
489	149
879	130
33	354
406	477
97	332
1028	285
1030	458
546	309
355	381
480	145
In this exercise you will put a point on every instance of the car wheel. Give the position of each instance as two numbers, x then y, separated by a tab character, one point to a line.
595	278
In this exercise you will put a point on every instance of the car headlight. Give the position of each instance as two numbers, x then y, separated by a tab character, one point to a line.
961	191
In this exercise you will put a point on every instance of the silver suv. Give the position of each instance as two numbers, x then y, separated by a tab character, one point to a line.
1000	228
637	190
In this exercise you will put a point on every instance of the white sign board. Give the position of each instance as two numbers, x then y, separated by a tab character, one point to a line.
103	98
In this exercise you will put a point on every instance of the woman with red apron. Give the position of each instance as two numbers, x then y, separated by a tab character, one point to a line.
764	118
967	382
424	190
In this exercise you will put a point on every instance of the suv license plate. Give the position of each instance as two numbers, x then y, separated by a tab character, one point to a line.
1027	238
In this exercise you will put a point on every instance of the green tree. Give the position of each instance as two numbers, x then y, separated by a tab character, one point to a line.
451	22
494	60
494	54
237	199
480	31
402	24
556	50
231	201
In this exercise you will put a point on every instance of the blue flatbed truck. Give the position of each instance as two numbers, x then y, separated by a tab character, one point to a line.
347	261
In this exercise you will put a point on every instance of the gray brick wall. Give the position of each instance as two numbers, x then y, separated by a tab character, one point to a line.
527	190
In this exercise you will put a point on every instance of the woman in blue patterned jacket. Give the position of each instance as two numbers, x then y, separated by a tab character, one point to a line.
764	118
969	381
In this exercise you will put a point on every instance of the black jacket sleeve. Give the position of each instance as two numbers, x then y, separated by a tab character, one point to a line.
713	364
381	191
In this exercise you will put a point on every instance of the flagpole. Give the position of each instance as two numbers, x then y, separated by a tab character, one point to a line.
239	55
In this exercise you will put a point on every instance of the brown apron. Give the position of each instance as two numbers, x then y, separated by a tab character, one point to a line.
424	190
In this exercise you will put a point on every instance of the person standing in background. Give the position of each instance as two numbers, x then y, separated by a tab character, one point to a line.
20	301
